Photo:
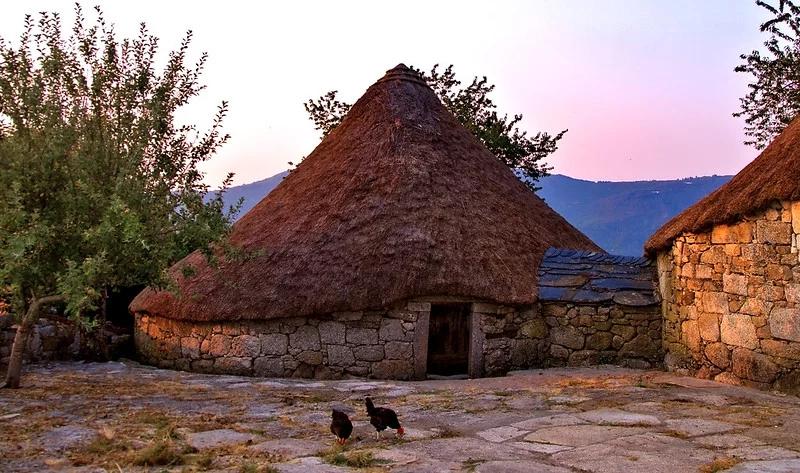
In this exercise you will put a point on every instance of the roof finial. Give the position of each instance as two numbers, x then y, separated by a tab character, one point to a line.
403	72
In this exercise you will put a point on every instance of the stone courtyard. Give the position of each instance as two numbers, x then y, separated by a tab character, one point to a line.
122	416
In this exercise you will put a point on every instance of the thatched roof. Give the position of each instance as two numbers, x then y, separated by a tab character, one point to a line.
399	201
773	175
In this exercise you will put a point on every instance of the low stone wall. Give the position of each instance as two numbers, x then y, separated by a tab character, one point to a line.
510	339
393	344
378	344
584	334
731	300
58	338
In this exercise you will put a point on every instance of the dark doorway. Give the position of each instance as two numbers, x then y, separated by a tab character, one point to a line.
448	339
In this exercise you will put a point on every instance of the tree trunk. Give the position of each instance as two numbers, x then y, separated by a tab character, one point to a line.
21	339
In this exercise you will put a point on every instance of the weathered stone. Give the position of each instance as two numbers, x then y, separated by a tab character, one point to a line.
599	341
734	284
557	351
217	438
331	332
718	354
781	349
739	233
393	369
625	331
368	353
419	306
714	302
738	330
216	345
310	357
635	298
339	355
534	328
773	232
190	347
362	336
398	350
785	324
754	366
690	335
269	367
245	346
569	337
229	364
273	343
708	324
306	337
392	330
641	345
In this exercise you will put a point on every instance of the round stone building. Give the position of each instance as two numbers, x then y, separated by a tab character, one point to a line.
399	247
729	275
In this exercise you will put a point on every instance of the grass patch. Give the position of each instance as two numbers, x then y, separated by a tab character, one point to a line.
719	464
161	453
470	464
360	459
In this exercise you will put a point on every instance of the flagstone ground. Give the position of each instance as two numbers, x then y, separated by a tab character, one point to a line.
124	416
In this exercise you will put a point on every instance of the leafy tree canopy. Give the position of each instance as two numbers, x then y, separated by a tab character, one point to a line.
100	186
773	99
474	109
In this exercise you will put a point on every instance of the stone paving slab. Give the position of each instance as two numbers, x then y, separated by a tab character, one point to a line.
651	453
519	466
580	435
697	427
772	466
593	420
218	438
618	417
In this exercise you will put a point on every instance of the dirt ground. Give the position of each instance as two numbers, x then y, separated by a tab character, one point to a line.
123	416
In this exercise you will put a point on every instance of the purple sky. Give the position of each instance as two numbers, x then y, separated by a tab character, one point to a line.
645	87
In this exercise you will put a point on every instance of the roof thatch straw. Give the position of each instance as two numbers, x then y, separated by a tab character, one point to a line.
399	201
773	175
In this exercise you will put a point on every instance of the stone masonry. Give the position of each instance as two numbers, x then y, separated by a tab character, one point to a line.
731	300
379	344
58	338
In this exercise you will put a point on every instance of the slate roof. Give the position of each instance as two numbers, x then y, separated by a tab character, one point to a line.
586	277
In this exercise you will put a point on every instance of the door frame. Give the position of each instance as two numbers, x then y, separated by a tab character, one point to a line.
476	340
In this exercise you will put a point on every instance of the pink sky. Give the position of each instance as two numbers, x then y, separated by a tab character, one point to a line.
646	88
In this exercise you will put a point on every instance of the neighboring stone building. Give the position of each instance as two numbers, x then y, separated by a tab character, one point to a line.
600	308
730	275
400	247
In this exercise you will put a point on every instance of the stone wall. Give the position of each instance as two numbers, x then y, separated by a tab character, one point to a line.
58	338
731	300
508	339
378	344
591	334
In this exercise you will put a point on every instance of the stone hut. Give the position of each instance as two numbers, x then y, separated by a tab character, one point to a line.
729	274
400	247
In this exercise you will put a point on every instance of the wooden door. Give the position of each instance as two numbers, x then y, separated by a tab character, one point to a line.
448	339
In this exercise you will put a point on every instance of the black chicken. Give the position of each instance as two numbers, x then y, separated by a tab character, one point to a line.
341	426
382	418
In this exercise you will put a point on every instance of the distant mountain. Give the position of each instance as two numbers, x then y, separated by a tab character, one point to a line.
618	216
621	216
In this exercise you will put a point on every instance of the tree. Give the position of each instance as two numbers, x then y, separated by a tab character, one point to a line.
99	186
474	109
773	99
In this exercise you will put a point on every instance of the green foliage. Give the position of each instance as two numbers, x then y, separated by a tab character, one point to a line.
100	187
474	109
773	99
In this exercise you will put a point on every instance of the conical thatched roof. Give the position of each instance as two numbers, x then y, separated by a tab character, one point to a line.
399	201
773	175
